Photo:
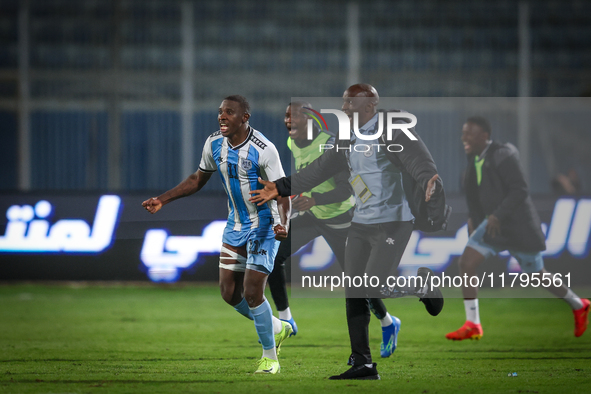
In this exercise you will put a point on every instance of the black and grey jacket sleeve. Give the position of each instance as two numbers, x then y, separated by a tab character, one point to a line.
341	192
418	168
416	159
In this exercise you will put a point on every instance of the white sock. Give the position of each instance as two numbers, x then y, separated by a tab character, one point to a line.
270	353
277	326
285	315
386	321
573	300
472	313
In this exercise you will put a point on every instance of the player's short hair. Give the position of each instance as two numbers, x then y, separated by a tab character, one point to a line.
240	100
480	121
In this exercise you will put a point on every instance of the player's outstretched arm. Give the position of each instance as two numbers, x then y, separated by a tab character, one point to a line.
268	193
191	185
152	205
341	192
415	158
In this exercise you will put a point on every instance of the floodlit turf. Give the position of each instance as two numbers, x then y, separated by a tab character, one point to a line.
169	339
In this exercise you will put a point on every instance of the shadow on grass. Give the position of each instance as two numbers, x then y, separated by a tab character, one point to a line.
127	381
87	361
576	350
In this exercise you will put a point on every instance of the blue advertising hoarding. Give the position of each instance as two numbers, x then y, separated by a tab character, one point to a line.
111	237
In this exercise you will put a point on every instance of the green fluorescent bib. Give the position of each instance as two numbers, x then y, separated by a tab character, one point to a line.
303	157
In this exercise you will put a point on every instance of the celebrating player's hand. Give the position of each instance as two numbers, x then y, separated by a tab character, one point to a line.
303	203
431	185
152	205
280	232
268	193
493	227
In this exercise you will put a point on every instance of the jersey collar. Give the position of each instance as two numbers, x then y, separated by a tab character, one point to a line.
250	131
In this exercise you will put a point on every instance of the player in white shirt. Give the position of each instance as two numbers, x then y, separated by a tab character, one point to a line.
242	154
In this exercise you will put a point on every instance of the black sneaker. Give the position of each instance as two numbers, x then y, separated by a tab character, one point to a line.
432	298
359	372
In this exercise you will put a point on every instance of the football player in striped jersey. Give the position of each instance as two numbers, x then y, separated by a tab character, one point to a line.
241	154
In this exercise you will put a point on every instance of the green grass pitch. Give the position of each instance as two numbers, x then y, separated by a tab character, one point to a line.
172	339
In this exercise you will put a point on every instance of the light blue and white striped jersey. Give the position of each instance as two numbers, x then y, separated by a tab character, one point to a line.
239	168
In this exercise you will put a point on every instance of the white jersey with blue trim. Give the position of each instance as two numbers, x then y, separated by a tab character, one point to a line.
239	168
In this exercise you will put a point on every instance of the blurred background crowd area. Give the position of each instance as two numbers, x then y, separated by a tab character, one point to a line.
121	94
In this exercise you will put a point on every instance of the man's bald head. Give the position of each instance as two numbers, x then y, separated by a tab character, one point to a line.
363	90
300	104
363	99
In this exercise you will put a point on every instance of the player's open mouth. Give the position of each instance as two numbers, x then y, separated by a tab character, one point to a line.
467	147
223	127
293	132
